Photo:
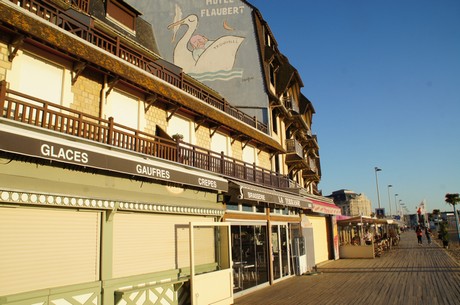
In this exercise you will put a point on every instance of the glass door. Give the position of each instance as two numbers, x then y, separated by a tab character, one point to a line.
297	247
280	251
284	250
249	255
276	250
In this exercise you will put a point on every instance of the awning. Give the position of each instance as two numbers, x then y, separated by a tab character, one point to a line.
245	191
364	219
325	207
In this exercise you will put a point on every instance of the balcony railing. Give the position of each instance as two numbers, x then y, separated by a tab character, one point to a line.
312	172
29	110
294	148
291	104
82	5
115	46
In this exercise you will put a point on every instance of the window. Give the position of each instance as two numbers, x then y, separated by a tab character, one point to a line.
272	74
246	207
275	120
122	13
249	154
219	143
232	206
277	164
125	109
37	77
268	41
260	209
178	125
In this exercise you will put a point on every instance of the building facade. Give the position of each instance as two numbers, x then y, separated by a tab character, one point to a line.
124	179
351	203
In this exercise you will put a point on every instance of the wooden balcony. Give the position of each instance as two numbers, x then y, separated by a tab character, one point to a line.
116	46
291	104
311	173
29	110
294	150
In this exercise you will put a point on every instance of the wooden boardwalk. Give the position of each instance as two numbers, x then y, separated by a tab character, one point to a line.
408	274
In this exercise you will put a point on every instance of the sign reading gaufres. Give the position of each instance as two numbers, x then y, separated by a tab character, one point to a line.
86	157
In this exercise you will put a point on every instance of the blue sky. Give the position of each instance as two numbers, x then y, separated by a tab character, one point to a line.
384	78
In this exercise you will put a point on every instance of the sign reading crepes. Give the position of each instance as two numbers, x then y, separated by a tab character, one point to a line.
86	157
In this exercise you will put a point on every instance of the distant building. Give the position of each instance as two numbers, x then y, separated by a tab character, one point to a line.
351	203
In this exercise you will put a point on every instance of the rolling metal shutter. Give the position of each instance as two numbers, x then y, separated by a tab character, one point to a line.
44	248
145	243
320	238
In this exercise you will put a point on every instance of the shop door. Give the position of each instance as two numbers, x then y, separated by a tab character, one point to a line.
280	252
249	255
298	256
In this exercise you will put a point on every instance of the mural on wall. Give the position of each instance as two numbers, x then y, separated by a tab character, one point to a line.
214	41
203	58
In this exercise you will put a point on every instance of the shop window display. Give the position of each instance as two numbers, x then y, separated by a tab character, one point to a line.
249	254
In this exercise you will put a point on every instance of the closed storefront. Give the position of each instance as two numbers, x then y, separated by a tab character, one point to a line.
46	247
140	237
320	238
69	232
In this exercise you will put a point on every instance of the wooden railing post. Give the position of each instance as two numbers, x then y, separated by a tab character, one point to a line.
117	46
110	131
181	78
2	97
178	152
80	128
137	142
44	116
222	163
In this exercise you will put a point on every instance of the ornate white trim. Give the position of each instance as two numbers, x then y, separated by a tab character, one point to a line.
41	199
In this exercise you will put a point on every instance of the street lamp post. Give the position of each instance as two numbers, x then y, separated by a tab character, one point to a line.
396	204
403	206
389	200
376	169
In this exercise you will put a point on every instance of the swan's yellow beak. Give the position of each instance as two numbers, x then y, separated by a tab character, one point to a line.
177	23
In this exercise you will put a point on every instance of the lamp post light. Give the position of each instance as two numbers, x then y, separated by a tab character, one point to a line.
376	169
389	200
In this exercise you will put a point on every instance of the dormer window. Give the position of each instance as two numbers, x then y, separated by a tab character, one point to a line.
122	13
272	72
268	41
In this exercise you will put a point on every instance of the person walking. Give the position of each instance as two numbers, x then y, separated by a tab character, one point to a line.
419	233
428	235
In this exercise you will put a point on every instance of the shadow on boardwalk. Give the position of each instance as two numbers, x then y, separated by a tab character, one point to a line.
408	274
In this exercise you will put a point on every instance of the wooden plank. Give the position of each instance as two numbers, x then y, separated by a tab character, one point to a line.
406	274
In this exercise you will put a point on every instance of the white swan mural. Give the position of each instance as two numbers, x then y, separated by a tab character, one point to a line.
209	60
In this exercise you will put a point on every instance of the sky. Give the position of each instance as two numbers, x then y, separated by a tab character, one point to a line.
384	79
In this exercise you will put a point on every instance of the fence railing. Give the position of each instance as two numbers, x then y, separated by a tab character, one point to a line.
115	46
29	110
